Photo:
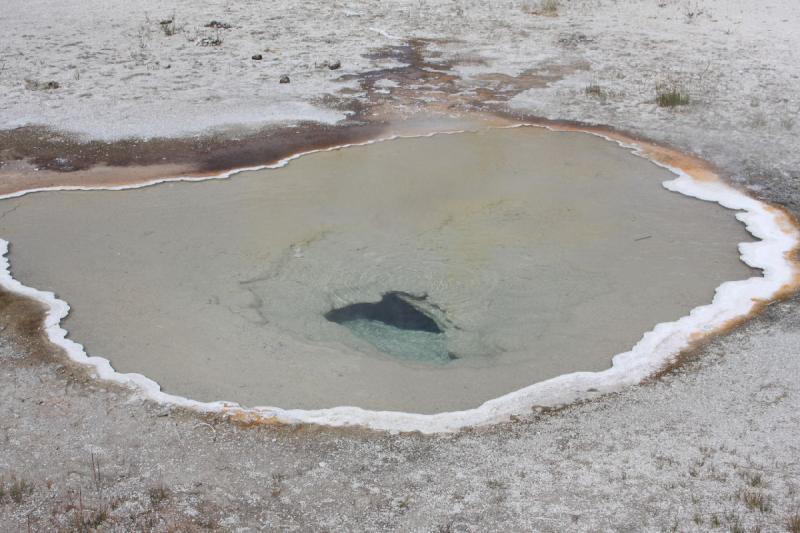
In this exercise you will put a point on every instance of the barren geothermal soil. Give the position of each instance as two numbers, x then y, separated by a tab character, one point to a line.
535	253
460	255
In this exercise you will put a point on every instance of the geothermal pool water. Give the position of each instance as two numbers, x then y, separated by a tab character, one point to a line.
420	275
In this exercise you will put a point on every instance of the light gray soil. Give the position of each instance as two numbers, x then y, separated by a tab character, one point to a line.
712	447
682	452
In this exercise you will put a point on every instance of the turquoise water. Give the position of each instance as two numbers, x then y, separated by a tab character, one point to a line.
408	344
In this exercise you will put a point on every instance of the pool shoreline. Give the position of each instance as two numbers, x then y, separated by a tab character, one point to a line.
695	178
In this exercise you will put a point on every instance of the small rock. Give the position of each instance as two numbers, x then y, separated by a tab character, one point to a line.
285	79
257	57
218	24
211	41
63	164
34	85
335	65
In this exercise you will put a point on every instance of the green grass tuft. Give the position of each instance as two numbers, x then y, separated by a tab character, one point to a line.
671	95
19	489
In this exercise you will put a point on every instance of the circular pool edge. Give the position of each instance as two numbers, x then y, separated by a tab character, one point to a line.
734	301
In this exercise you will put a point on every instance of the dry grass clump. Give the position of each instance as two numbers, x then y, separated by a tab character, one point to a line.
755	479
277	484
36	85
793	523
218	25
94	519
169	26
671	95
756	501
19	490
595	90
158	495
548	8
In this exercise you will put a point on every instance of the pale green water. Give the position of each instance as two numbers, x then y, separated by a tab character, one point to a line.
409	345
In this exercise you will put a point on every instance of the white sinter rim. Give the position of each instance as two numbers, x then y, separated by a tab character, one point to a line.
732	300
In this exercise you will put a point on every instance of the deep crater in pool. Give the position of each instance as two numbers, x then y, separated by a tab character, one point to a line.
420	275
396	326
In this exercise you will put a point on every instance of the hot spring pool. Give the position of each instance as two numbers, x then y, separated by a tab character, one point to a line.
420	275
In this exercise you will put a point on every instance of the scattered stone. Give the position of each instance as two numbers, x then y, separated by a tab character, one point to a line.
219	25
211	41
169	28
285	79
333	65
572	40
62	164
257	57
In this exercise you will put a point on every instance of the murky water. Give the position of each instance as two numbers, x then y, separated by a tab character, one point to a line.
534	253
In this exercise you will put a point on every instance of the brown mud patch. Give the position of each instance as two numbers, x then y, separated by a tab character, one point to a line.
424	85
25	341
34	157
22	325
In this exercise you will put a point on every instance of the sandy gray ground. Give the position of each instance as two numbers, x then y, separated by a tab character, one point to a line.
714	446
684	453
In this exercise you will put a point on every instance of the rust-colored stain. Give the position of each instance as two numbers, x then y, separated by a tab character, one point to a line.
785	220
40	158
248	419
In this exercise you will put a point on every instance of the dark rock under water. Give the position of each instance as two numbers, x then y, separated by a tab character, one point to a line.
393	310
